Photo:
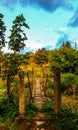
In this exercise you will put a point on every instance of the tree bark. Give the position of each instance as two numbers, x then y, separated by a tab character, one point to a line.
0	60
21	90
57	92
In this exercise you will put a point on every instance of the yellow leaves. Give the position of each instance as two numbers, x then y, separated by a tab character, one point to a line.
23	67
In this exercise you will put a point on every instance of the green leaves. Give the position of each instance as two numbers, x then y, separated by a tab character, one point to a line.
2	31
65	58
41	56
18	36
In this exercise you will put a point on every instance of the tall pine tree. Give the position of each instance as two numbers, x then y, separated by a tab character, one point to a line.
2	32
17	37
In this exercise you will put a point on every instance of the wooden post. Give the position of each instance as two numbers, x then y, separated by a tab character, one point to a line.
8	84
42	78
57	92
29	85
21	93
46	81
32	78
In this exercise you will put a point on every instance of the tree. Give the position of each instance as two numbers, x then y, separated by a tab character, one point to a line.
65	58
16	43
2	31
9	70
66	45
2	38
10	66
18	36
41	57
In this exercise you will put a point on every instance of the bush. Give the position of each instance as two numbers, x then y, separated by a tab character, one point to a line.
8	110
50	84
48	110
31	109
68	80
68	120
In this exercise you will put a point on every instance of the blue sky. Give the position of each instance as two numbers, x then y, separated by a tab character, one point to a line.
51	22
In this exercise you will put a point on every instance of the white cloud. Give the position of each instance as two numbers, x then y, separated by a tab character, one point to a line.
40	44
33	44
6	50
62	28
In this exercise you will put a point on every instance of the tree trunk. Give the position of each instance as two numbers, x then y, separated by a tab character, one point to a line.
57	92
0	61
21	90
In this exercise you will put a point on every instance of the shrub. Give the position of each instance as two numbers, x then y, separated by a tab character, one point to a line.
8	111
48	110
67	80
31	109
68	120
50	84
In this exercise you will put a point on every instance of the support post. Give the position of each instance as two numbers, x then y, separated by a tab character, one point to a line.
57	91
21	90
29	85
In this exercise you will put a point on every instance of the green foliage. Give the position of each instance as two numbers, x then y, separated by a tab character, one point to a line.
68	80
50	84
18	36
66	121
69	120
25	59
8	111
48	109
31	109
11	112
69	83
12	127
41	56
50	88
65	58
12	63
66	45
2	31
